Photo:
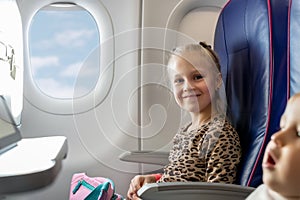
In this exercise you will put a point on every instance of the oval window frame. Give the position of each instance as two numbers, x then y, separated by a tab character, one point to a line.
87	102
179	12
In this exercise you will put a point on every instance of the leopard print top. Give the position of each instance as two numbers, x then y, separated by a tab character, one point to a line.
210	153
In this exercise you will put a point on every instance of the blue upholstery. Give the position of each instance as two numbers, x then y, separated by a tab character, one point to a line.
251	40
294	47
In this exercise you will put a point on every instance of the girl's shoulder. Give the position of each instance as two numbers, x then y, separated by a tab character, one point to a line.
223	125
220	121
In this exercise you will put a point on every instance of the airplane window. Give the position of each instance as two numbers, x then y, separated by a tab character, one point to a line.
64	51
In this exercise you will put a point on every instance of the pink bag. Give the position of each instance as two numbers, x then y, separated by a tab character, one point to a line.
84	187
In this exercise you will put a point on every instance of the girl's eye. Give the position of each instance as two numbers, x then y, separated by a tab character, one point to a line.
179	80
198	77
298	133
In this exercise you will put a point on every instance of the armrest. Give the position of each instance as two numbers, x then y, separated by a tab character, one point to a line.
148	157
193	190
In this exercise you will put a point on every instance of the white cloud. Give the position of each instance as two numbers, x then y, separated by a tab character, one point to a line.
78	69
73	38
72	70
54	88
67	39
44	44
40	62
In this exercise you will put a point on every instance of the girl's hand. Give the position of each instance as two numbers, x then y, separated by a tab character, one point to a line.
136	183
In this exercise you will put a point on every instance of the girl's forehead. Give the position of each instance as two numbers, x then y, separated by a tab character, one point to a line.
193	56
194	59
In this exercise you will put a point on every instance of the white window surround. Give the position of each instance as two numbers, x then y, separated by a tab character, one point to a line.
82	104
11	38
182	9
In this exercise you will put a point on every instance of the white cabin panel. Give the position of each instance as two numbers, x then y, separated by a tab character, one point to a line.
99	127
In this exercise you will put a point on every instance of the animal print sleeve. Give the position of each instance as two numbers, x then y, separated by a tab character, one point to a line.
224	154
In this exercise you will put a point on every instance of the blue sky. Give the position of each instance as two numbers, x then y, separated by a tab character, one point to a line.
62	44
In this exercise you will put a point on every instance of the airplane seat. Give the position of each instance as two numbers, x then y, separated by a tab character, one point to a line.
294	46
252	51
242	42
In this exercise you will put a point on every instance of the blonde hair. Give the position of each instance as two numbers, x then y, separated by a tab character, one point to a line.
204	49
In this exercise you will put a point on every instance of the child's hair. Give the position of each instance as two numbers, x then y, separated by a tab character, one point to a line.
207	52
203	48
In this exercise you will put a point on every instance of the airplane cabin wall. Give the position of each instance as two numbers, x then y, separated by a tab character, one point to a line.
98	136
139	111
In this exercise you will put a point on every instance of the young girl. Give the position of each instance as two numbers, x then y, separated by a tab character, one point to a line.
207	149
281	163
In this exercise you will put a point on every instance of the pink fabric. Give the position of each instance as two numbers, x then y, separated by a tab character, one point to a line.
83	191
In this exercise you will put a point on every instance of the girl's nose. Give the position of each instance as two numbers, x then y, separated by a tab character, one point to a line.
188	86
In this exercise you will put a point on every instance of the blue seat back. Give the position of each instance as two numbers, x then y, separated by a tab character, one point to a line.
294	47
251	41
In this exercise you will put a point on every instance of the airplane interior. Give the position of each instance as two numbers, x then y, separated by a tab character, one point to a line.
83	84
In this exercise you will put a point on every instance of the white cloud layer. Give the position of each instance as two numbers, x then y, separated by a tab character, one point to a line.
40	62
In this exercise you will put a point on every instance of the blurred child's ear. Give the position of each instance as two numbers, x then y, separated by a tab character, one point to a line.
219	81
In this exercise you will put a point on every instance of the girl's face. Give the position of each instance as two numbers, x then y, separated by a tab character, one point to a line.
194	82
281	163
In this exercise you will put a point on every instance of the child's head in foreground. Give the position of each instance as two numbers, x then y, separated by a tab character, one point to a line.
281	163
